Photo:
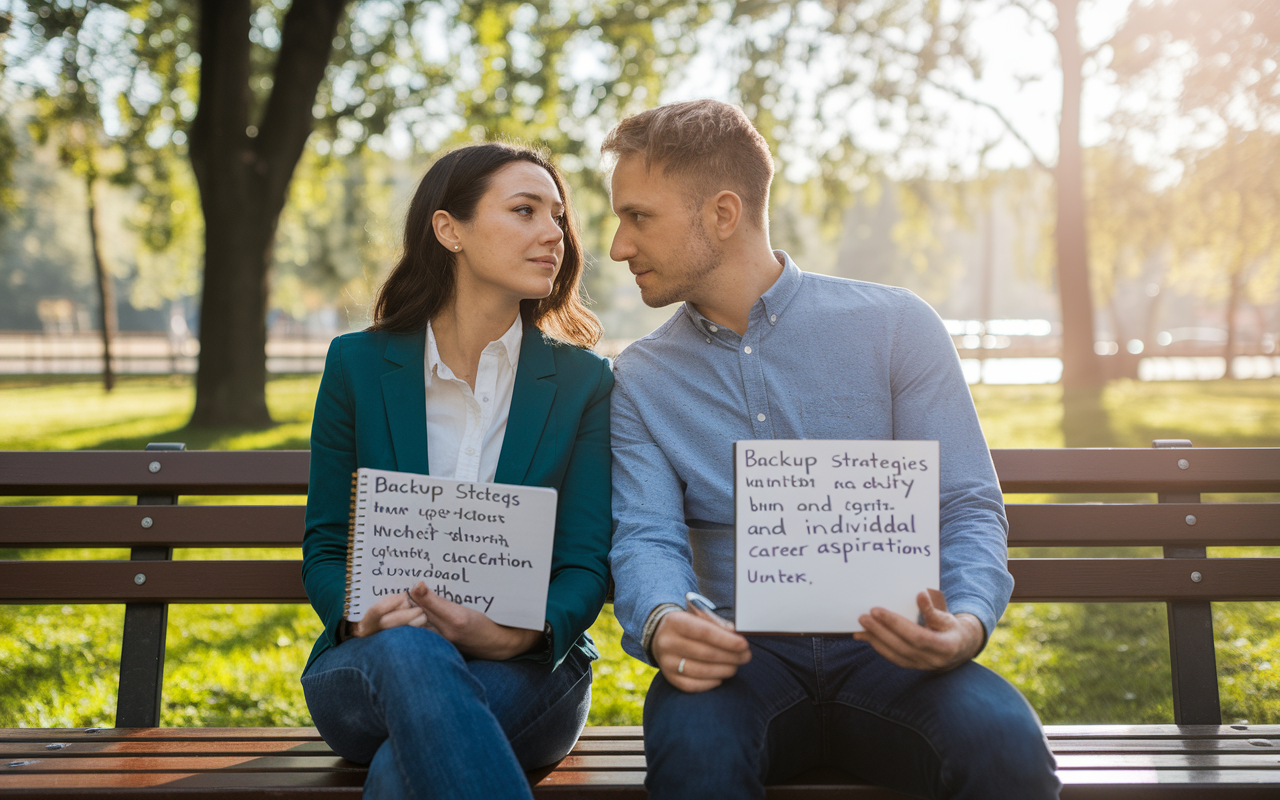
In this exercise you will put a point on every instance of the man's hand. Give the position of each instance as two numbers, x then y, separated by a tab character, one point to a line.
470	631
710	652
944	642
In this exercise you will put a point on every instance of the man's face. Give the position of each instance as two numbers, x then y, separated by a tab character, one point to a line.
661	234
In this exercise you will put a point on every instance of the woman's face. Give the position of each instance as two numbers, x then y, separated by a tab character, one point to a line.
514	244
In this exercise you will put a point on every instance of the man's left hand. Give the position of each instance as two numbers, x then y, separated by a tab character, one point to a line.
944	642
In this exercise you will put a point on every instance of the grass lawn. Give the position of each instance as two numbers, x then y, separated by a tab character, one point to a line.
238	665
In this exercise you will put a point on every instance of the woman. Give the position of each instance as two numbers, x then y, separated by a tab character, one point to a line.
476	357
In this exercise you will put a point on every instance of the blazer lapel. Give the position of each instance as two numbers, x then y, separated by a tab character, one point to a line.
530	407
404	394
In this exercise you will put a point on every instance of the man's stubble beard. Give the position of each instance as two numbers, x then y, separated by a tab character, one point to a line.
703	259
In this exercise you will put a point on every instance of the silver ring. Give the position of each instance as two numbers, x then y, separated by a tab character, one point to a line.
680	668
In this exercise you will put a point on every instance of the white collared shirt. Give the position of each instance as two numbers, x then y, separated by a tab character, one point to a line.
465	428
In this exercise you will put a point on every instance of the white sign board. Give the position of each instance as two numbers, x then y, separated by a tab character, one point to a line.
827	529
483	545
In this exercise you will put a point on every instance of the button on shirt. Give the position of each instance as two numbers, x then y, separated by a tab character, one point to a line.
465	428
822	358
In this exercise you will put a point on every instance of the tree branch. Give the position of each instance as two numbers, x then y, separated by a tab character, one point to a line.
1026	8
954	92
306	40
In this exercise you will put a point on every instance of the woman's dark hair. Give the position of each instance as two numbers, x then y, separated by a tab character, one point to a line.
422	282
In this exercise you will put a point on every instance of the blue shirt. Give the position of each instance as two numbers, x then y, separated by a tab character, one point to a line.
822	358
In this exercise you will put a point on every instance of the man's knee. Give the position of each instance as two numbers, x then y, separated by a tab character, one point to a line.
715	730
999	722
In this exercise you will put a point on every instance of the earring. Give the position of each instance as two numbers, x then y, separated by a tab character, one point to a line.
457	247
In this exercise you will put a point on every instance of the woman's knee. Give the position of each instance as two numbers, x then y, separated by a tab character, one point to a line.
407	658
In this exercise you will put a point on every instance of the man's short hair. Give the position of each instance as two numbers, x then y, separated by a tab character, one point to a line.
710	145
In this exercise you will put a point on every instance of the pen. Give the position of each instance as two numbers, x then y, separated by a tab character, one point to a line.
697	604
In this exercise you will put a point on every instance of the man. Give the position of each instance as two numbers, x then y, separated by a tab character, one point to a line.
761	350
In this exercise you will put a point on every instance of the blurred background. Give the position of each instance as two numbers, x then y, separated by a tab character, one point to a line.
195	197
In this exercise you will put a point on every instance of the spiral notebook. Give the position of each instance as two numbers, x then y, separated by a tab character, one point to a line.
482	545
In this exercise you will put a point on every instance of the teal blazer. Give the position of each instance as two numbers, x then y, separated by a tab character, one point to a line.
371	412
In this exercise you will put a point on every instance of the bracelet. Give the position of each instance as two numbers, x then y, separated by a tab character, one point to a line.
651	627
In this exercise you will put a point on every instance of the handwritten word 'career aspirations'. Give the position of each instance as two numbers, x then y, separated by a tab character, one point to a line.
892	480
463	491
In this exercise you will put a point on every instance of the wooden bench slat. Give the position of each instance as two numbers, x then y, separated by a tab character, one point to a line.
591	747
1030	525
185	763
572	763
1164	761
1037	580
612	732
296	734
1164	746
1104	470
177	526
1139	470
1260	784
179	781
209	747
117	472
166	582
1137	524
1057	732
597	733
1135	579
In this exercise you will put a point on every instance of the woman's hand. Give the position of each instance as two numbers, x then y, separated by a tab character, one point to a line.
390	612
470	631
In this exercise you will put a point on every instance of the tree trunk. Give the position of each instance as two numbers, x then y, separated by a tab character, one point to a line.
106	289
244	182
1084	421
1233	306
988	274
1080	368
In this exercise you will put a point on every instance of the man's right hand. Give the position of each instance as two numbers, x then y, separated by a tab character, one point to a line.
711	653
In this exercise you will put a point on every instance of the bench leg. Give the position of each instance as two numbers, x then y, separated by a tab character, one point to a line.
145	627
1191	656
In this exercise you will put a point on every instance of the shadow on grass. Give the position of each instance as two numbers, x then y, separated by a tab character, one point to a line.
203	438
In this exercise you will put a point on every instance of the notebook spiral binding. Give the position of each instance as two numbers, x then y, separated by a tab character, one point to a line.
357	509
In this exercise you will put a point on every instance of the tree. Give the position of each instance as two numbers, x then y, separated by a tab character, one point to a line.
1227	231
1227	57
239	86
73	119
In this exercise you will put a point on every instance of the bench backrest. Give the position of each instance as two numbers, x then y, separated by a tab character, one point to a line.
1185	578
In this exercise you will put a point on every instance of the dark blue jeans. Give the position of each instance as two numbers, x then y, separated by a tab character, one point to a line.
430	723
805	702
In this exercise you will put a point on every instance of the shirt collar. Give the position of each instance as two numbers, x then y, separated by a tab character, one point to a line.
768	308
508	344
780	294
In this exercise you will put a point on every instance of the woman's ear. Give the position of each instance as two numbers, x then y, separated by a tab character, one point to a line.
446	229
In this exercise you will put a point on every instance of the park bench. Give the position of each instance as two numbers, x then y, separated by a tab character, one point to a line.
1197	756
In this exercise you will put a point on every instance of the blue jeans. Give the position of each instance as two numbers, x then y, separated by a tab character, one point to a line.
430	723
806	702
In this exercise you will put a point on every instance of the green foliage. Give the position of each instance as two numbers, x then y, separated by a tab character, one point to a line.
619	682
1078	663
238	665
